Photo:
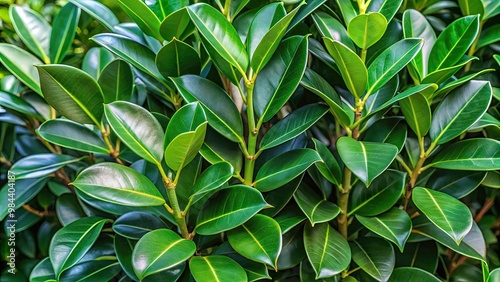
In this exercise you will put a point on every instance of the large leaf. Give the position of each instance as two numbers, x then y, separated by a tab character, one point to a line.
453	42
366	29
216	268
304	11
81	102
392	130
220	35
391	62
394	225
330	27
470	154
26	189
211	180
177	58
116	81
137	128
38	165
375	256
142	15
278	80
118	184
459	110
366	160
62	132
21	64
258	239
100	270
447	213
327	251
221	111
33	30
281	169
160	250
292	125
457	184
412	274
417	112
63	32
233	207
98	11
351	67
72	242
314	207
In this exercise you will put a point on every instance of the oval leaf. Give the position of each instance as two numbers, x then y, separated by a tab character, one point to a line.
366	29
21	64
315	208
39	165
471	154
375	256
63	32
210	180
116	81
216	268
177	58
134	225
417	112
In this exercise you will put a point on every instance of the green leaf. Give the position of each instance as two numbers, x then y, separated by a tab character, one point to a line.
380	196
489	36
96	59
18	104
160	250
315	83
116	81
392	130
68	209
43	271
127	187
265	45
316	209
491	180
375	256
63	32
391	62
394	225
39	165
471	7
453	42
444	90
98	11
134	225
233	207
216	268
222	114
278	80
329	167
176	25
142	15
447	213
386	8
72	242
366	160
177	58
347	10
292	125
351	67
258	239
470	154
305	10
281	169
137	128
217	149
80	102
366	29
21	64
457	184
182	150
220	35
412	274
442	75
33	30
417	112
331	28
100	270
327	251
26	189
62	132
459	110
491	9
164	8
494	275
211	180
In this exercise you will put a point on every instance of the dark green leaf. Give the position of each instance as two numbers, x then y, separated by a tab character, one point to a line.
304	11
386	8
375	256
331	28
457	184
68	209
417	112
142	15
471	154
116	81
216	268
176	25
100	270
489	36
25	190
392	130
412	274
134	225
316	209
98	11
18	104
96	59
63	32
21	64
471	7
211	180
39	165
177	58
442	75
216	149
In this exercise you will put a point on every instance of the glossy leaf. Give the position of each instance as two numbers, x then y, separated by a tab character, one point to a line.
442	75
489	36
216	268
21	64
18	104
316	209
116	81
457	184
72	242
211	180
386	8
26	189
327	251
394	225
38	165
366	29
281	76
215	150
417	112
62	132
258	239
137	128
63	32
471	7
392	130
134	225
142	15
366	160
412	274
160	250
459	110
236	205
98	11
177	58
331	28
375	256
304	11
100	270
175	25
283	168
43	271
351	67
329	167
96	59
446	212
292	125
80	102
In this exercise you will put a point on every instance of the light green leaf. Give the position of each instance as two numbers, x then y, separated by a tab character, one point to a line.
216	268
98	11
184	148
21	64
315	208
417	112
471	7
366	29
142	15
63	32
386	8
211	180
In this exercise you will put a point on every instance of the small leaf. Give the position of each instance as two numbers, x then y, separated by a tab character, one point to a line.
98	11
211	180
39	165
216	268
63	32
283	168
134	225
258	239
417	112
327	251
366	29
142	15
392	130
331	28
375	256
118	184
447	213
137	128
176	24
116	81
184	148
160	250
234	206
177	58
316	209
329	167
21	64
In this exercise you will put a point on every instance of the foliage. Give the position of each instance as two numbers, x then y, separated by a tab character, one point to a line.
246	140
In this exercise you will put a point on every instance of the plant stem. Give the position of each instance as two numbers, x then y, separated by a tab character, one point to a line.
415	172
253	132
472	49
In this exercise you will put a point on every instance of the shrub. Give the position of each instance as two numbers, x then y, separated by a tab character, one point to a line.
246	140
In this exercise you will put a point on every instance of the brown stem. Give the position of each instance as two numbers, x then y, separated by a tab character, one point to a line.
37	212
486	207
415	173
